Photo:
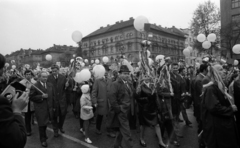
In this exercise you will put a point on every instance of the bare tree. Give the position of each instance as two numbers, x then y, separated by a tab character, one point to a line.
206	20
230	36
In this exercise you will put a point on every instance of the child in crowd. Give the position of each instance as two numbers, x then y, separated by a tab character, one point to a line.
86	110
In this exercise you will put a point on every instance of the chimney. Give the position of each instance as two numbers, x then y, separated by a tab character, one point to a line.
121	21
159	26
101	27
131	18
108	25
117	22
173	26
155	24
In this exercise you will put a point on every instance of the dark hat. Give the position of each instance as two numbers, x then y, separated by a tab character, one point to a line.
55	66
124	68
106	67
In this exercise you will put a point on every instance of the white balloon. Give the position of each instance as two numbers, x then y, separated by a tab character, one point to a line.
48	57
236	49
211	37
201	38
148	53
13	66
190	48
105	59
83	75
97	61
206	44
235	62
92	61
186	52
71	60
86	60
77	36
150	61
82	64
6	64
139	23
98	71
12	61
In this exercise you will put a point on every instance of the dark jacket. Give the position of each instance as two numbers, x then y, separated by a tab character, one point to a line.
99	95
219	127
43	107
59	91
120	100
12	127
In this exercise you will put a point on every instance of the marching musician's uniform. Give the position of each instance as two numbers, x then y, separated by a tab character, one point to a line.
43	107
60	100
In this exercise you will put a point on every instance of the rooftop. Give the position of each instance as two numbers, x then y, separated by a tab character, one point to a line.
129	23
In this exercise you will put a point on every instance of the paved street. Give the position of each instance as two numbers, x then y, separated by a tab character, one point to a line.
74	139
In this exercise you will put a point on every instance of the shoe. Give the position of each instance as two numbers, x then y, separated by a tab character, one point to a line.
28	134
112	135
175	143
142	143
62	131
188	123
44	144
180	136
88	140
81	130
179	120
98	132
56	134
161	146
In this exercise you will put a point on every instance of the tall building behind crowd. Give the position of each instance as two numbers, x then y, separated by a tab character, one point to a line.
122	38
230	12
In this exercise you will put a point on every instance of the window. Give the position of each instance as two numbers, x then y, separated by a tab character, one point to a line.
235	3
236	17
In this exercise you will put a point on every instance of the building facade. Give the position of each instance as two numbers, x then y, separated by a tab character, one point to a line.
59	53
230	13
122	38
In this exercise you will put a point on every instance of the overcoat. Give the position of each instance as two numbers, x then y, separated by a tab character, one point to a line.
59	92
99	95
219	127
197	95
43	107
236	87
177	90
119	97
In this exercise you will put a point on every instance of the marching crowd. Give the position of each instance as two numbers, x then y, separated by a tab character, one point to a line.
127	101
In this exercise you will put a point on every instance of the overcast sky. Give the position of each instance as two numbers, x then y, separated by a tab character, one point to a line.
42	23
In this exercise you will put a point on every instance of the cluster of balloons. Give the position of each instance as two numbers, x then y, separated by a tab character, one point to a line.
206	41
83	75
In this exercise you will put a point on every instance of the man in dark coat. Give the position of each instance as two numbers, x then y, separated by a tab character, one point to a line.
99	98
184	87
43	104
12	128
120	102
197	94
219	127
236	88
60	83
